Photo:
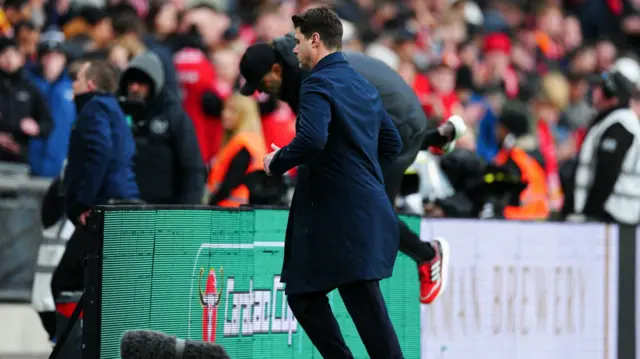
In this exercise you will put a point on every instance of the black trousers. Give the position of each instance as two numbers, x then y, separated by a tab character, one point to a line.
410	243
366	306
69	275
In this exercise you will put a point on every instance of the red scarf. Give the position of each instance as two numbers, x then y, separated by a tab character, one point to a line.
548	149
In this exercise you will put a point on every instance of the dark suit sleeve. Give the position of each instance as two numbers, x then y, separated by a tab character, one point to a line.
96	135
192	173
389	141
613	146
312	129
41	113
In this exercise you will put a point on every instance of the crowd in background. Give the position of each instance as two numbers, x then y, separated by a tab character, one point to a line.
471	58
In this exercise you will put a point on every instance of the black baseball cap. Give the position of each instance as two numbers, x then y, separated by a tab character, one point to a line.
255	63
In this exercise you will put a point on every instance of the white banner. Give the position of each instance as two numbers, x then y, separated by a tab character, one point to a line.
49	255
524	291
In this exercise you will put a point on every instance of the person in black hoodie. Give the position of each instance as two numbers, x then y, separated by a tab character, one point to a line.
273	68
168	165
24	113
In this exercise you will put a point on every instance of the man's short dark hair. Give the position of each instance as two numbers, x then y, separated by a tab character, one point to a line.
104	75
322	20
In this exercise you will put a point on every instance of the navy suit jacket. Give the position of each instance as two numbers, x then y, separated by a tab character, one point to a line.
100	161
342	226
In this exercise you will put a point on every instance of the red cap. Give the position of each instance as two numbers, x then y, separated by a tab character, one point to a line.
497	42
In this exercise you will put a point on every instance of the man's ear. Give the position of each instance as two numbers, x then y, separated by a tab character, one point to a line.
276	69
90	85
315	39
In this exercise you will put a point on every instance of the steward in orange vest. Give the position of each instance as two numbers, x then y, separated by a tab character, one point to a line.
242	151
512	127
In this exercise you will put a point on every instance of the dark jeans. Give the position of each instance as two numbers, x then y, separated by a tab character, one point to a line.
366	306
410	243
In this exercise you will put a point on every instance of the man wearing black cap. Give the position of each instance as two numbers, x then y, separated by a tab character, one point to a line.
273	68
515	159
607	179
23	110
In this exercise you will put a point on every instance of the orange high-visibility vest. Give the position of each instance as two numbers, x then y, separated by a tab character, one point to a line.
534	200
243	140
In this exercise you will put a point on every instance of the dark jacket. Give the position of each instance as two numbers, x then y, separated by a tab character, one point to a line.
342	136
100	160
47	154
168	164
398	99
20	99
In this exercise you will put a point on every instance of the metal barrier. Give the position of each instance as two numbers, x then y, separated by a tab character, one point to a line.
20	231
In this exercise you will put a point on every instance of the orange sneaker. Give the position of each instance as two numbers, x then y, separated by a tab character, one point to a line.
434	274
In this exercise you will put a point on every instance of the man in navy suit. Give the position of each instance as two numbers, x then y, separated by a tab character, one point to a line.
342	231
274	68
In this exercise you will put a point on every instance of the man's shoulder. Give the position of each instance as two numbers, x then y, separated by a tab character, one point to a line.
326	77
102	104
317	81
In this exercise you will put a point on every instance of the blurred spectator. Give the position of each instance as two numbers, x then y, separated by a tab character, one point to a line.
404	44
497	67
46	155
162	24
572	34
515	140
631	23
278	121
606	183
199	98
272	23
554	142
130	33
243	148
579	111
606	53
583	60
23	110
123	50
12	13
209	24
27	38
487	107
549	37
168	164
350	37
90	30
443	100
384	54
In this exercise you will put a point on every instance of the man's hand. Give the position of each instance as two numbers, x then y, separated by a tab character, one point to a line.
268	158
83	218
7	142
29	127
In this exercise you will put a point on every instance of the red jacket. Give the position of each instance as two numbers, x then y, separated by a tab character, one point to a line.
279	127
196	76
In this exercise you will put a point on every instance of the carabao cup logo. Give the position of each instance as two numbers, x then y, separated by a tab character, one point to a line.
209	299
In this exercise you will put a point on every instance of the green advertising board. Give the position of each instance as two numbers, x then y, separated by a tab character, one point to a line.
214	276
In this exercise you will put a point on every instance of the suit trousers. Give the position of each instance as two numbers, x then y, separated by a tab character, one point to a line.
393	173
366	306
